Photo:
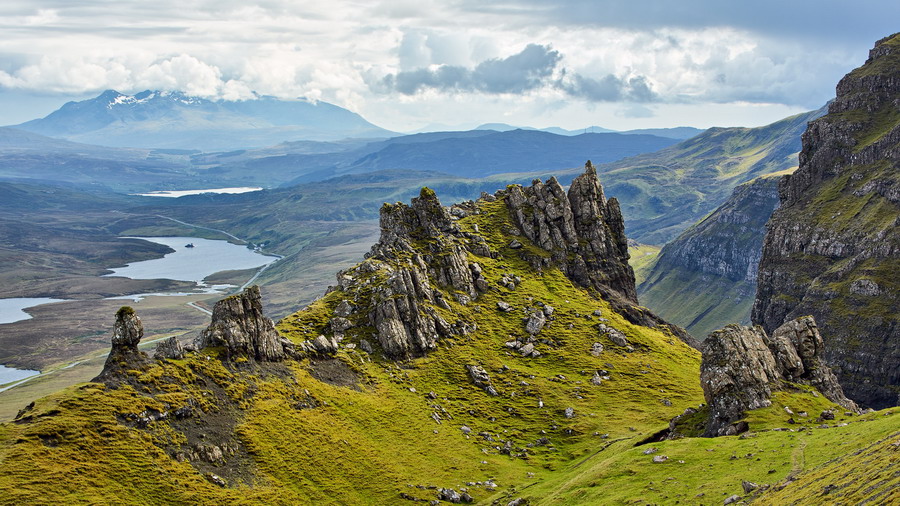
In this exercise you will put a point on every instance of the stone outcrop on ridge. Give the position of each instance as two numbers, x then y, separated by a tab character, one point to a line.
582	230
124	354
238	325
742	366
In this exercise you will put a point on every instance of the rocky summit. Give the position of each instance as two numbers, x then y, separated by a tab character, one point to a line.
832	249
583	231
427	260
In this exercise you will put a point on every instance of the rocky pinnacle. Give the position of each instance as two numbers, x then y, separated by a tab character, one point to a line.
127	333
238	324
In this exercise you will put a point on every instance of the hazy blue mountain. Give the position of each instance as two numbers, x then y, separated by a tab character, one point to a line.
479	153
154	119
675	132
680	133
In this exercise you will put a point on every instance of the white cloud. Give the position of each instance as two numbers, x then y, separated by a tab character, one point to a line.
696	53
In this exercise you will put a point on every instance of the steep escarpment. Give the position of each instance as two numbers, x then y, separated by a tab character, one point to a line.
832	250
706	278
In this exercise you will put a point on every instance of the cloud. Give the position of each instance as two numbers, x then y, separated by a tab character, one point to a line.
527	70
466	54
636	111
609	88
535	67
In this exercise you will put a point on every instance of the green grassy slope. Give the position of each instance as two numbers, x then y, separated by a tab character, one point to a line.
360	429
665	192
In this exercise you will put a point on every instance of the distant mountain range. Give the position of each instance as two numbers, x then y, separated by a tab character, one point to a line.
679	133
160	119
478	153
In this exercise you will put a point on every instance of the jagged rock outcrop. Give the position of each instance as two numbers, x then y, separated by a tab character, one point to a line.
420	244
742	366
832	249
238	325
585	236
706	278
583	231
424	260
128	331
169	349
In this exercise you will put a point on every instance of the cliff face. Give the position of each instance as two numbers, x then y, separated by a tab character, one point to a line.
706	278
742	366
833	248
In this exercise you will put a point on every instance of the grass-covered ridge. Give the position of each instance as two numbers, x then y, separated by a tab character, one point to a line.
361	429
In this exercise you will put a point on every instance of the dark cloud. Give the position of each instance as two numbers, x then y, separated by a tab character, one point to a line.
609	88
532	68
864	21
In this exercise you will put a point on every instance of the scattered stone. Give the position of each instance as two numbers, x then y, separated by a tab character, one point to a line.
481	379
452	496
465	429
526	350
504	306
650	451
324	345
535	322
570	413
515	244
518	501
614	335
828	414
366	346
216	479
596	349
732	499
749	486
339	325
596	379
659	459
344	309
597	312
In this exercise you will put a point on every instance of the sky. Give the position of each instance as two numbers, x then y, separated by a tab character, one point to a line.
408	65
